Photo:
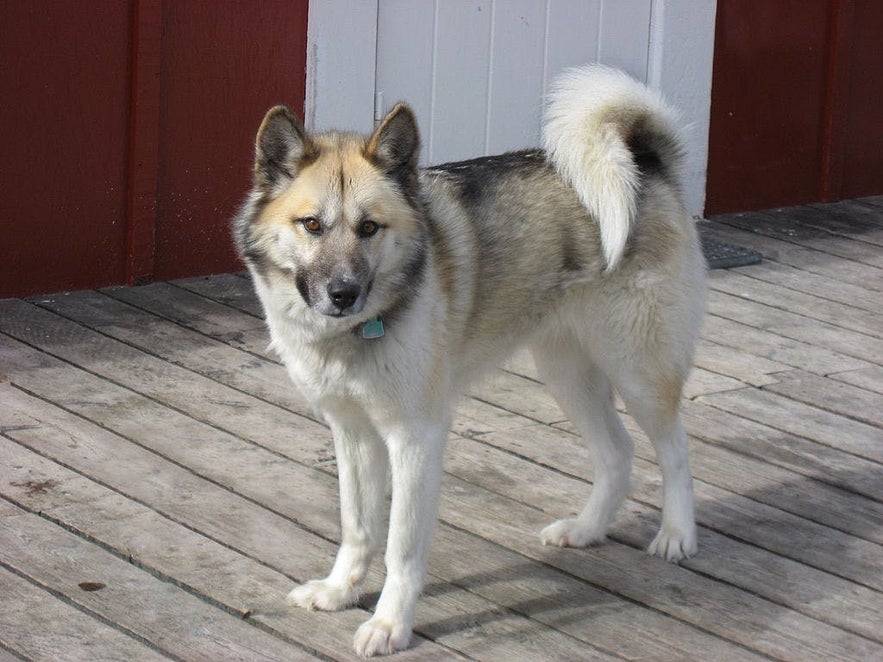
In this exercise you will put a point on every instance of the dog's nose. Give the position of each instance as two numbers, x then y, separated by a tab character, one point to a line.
343	293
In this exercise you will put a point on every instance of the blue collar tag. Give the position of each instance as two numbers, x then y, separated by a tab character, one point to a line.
373	328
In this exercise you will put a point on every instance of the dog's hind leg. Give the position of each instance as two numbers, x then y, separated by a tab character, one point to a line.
362	464
654	404
585	395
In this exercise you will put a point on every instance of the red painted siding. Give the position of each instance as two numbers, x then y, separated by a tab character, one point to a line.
128	131
863	134
795	103
221	69
767	89
64	81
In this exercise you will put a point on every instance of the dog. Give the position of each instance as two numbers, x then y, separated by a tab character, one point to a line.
388	289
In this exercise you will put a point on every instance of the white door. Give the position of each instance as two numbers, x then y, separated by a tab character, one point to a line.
476	71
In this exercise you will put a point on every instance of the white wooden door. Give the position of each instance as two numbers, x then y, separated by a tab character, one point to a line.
476	71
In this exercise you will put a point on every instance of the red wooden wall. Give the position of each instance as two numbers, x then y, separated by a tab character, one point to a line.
795	109
862	139
128	130
64	81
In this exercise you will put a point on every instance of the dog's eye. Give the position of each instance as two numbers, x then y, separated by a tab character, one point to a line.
368	228
311	225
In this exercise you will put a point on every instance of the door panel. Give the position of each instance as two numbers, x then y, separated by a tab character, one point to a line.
475	71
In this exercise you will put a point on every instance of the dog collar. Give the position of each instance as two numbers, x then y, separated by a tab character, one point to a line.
373	328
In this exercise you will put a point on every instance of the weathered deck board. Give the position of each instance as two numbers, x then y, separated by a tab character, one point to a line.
783	224
819	425
39	626
804	282
150	442
807	305
171	619
739	334
812	261
870	378
795	326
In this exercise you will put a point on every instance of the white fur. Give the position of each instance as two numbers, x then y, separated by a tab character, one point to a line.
598	101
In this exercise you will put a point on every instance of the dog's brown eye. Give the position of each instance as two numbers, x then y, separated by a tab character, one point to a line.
312	225
368	228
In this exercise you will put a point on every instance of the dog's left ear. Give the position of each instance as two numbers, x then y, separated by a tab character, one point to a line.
395	144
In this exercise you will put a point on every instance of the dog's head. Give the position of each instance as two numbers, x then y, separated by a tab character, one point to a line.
336	216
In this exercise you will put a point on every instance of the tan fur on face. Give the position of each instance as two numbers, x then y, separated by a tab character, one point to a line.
341	185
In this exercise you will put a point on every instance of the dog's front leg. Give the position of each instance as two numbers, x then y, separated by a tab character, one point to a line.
362	473
416	461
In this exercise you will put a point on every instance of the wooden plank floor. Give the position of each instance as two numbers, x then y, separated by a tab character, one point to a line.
162	486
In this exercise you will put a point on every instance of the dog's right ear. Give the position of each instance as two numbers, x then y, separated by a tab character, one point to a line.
395	145
281	147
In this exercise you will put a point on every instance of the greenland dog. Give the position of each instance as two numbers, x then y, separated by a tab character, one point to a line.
388	289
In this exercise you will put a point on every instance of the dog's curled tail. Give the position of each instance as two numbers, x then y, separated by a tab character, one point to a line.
602	131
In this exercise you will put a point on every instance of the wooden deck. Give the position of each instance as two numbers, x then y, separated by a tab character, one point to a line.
163	486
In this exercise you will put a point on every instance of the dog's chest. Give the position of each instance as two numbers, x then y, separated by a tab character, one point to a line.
351	372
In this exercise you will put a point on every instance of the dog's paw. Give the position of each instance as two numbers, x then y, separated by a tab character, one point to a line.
380	636
674	545
323	595
570	533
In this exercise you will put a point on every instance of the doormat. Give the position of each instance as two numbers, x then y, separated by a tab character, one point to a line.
720	255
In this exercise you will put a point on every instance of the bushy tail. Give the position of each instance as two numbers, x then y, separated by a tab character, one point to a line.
602	128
